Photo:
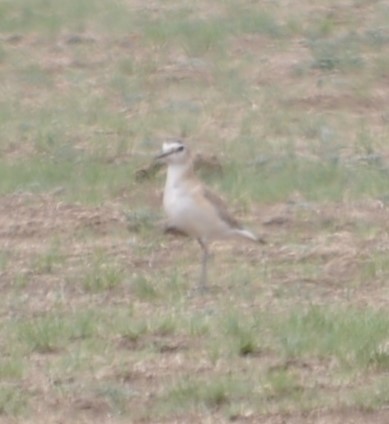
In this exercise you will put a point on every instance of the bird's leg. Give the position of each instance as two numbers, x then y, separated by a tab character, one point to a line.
203	282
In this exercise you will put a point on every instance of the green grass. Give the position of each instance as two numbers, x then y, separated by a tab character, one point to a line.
13	401
52	332
191	393
51	17
334	333
281	383
90	180
371	400
341	54
144	289
197	37
321	332
48	261
102	275
316	180
44	334
244	337
117	397
4	260
11	368
234	393
375	268
86	180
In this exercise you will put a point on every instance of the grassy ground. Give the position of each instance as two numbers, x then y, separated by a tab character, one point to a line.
96	321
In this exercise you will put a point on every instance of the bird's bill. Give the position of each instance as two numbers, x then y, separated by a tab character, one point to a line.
170	148
163	155
168	152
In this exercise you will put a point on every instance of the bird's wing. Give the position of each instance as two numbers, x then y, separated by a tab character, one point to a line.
221	208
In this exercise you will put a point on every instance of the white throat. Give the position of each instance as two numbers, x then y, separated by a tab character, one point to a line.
177	174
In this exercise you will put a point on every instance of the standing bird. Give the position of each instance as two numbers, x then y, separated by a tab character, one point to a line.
193	209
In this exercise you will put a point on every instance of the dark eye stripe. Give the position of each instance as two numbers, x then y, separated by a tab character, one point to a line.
180	149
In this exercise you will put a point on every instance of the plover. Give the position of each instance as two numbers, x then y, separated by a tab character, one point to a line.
193	209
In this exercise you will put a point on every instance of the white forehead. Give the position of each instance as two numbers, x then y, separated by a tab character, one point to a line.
167	147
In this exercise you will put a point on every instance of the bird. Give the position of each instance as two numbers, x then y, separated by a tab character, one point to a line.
192	209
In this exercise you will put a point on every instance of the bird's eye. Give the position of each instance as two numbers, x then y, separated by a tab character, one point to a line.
180	149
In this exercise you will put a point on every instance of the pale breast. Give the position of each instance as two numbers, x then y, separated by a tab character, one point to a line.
186	212
176	203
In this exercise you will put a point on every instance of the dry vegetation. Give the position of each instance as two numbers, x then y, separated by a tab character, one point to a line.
96	324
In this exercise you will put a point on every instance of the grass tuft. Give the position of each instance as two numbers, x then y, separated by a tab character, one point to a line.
372	399
13	401
320	331
46	334
11	368
197	393
46	263
281	383
243	334
336	54
144	288
117	396
141	219
102	275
